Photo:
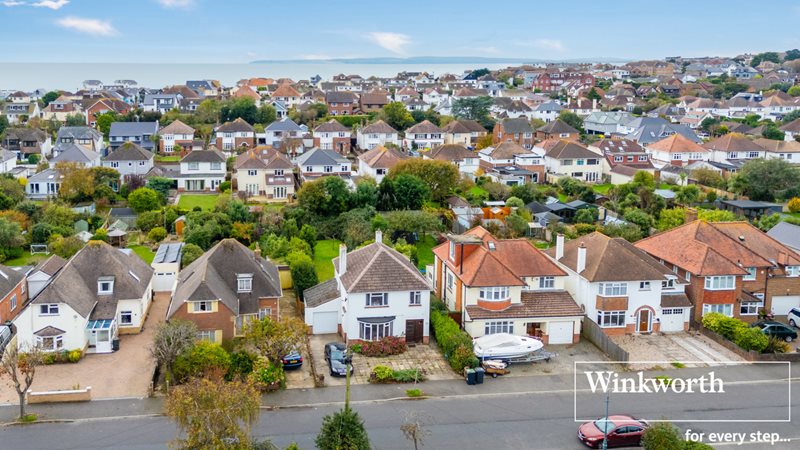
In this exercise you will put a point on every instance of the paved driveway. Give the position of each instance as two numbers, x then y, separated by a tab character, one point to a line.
301	377
677	348
124	373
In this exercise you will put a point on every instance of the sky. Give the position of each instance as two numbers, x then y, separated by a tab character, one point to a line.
240	31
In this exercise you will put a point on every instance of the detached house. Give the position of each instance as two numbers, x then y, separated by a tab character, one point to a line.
464	132
569	158
332	135
319	163
677	150
504	286
622	288
375	292
376	133
202	170
140	133
377	162
467	161
27	141
557	129
85	136
732	267
514	130
287	94
263	172
129	159
43	185
100	293
175	137
235	134
340	103
423	135
76	153
224	289
280	131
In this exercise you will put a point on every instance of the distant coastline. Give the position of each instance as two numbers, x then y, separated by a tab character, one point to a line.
438	60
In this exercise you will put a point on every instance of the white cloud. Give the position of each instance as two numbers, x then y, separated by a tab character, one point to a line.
52	4
176	3
394	42
551	45
12	3
88	26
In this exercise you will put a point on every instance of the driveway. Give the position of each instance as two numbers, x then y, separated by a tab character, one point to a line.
425	357
563	363
125	373
674	348
301	377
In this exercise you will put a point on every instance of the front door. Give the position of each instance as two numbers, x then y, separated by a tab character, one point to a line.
414	331
644	321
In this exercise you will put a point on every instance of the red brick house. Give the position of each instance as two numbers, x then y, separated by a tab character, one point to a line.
514	130
236	134
103	106
225	288
13	293
340	103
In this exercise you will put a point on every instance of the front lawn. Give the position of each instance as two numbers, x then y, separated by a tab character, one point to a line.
161	158
144	252
602	189
425	251
206	202
324	252
478	191
26	259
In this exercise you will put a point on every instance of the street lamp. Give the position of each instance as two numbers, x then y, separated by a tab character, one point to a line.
605	422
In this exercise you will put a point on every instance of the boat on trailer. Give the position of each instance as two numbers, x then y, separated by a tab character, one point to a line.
505	346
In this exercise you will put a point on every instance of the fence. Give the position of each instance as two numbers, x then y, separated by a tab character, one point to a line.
596	336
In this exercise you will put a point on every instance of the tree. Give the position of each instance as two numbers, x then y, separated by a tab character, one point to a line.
472	108
66	247
662	436
767	221
586	215
628	231
157	234
688	195
213	413
767	179
408	222
170	341
274	339
77	183
772	132
526	192
343	430
716	215
20	368
241	107
791	55
190	253
144	199
792	116
327	196
670	218
50	97
571	119
708	177
366	193
640	218
304	274
266	114
593	95
514	202
3	124
10	237
497	191
794	91
309	234
148	220
161	185
414	430
75	120
397	116
440	176
407	192
104	121
484	141
766	56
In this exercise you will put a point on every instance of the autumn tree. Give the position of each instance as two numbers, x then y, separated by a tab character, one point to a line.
170	341
20	369
77	183
273	339
212	413
440	176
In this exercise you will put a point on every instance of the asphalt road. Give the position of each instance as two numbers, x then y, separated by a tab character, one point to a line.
541	420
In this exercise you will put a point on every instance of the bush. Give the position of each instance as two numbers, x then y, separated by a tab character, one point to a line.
413	393
794	205
241	365
202	358
390	345
585	228
74	356
751	338
355	348
454	342
662	436
777	345
408	376
723	325
266	375
225	186
157	234
381	374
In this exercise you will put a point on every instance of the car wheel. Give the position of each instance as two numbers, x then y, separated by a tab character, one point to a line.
333	374
788	339
792	323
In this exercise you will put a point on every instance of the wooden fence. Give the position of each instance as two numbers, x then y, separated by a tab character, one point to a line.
596	336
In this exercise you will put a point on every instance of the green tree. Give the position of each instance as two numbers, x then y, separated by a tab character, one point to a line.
440	176
266	114
472	108
144	199
104	121
586	215
628	231
716	215
767	221
571	119
593	95
526	192
670	218
327	196
208	111
343	430
766	56
767	179
772	132
688	195
3	124
304	274
366	193
791	55
157	234
171	340
10	237
202	359
410	192
65	247
161	185
190	253
662	436
397	116
309	234
241	107
794	91
50	97
640	218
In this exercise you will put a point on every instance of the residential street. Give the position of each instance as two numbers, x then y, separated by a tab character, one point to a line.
515	413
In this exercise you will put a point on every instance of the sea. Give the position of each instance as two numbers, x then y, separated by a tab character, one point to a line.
70	76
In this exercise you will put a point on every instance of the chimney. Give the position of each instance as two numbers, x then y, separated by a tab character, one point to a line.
690	215
342	259
594	104
379	235
581	263
559	246
257	252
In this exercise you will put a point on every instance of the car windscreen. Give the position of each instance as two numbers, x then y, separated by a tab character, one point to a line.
337	355
604	425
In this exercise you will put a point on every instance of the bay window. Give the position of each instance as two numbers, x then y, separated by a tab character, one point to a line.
494	293
613	289
720	283
374	331
725	309
50	343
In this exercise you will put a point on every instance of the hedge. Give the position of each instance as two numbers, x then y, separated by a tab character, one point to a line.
737	331
455	343
349	121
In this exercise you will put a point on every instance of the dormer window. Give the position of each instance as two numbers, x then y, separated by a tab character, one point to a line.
105	285
244	282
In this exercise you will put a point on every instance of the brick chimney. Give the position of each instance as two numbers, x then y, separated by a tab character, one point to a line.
342	259
690	215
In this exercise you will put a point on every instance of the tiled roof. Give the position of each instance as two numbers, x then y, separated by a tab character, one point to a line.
532	304
237	126
129	151
321	293
517	126
285	90
176	127
379	127
675	301
424	127
379	268
508	149
204	156
677	143
381	157
331	126
566	149
451	152
557	126
732	142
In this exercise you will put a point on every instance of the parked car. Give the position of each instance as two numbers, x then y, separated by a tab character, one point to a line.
794	317
292	360
5	337
777	329
336	355
621	431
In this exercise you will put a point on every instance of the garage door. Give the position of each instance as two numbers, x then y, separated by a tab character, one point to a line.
671	320
325	322
559	332
163	281
781	304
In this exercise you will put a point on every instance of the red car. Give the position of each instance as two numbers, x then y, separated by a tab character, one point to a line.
623	431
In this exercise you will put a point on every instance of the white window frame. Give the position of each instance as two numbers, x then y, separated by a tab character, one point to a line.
498	326
50	309
614	289
202	306
374	331
547	282
722	308
264	312
611	319
252	172
750	308
751	274
377	300
122	315
720	283
494	293
13	302
206	335
56	342
644	285
244	284
194	165
101	290
415	298
793	271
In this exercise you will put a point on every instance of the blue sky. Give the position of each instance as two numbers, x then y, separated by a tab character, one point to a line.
237	31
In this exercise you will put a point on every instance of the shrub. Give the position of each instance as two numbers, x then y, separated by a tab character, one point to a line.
413	393
408	376
355	348
49	358
390	345
382	374
751	338
711	321
777	345
454	342
202	358
692	445
225	186
585	228
241	365
74	356
728	326
794	205
265	374
662	436
157	234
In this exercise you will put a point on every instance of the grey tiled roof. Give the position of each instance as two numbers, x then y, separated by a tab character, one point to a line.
9	279
133	128
379	268
75	153
321	157
129	152
204	156
321	293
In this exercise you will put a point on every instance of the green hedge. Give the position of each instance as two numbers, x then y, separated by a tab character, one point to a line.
455	343
737	331
349	121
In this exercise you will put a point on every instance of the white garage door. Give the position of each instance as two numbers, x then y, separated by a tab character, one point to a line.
781	304
559	332
325	322
671	320
163	281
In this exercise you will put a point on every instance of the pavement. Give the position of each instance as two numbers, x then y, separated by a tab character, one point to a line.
685	348
127	372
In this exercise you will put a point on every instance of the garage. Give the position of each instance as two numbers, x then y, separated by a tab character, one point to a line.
324	322
166	265
560	332
782	304
671	320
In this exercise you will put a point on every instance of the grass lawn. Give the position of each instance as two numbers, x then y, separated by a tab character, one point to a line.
207	202
602	189
478	191
144	252
160	158
324	252
425	251
563	197
26	259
